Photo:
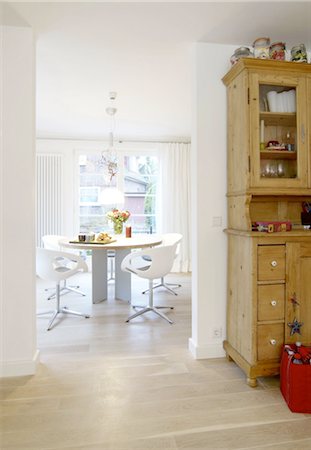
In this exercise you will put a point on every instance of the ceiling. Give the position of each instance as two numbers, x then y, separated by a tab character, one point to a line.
142	51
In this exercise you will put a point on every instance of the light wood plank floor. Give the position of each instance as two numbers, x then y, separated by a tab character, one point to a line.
105	384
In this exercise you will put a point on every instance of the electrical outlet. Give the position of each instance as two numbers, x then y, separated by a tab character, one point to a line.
217	332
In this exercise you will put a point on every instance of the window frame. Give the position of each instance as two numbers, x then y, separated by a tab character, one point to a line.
132	149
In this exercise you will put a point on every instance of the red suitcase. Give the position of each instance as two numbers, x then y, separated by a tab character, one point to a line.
295	383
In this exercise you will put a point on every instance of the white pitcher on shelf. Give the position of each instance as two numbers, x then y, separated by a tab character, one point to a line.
271	96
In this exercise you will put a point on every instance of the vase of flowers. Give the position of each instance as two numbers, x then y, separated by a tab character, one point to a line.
118	218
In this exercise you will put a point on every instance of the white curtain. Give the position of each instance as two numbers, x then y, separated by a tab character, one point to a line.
174	199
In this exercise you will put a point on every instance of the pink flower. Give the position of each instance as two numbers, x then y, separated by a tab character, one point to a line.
115	215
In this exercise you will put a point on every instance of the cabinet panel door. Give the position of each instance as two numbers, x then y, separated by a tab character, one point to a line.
298	295
278	125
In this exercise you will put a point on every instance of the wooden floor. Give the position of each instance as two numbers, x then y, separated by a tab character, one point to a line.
105	384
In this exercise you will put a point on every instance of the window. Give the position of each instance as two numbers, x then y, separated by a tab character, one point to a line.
140	185
137	178
89	195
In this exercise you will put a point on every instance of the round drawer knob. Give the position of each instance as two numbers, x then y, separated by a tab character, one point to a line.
273	302
274	263
272	341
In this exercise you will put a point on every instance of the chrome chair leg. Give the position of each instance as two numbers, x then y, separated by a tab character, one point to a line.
65	310
60	309
75	313
52	320
164	307
157	307
176	285
45	312
147	309
138	313
73	289
162	315
166	286
67	289
150	307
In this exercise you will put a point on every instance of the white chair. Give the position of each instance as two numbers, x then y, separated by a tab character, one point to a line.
53	266
54	242
168	239
161	260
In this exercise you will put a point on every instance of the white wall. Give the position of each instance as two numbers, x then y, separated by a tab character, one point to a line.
18	354
211	62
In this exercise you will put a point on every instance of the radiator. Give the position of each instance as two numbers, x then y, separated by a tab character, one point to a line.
49	195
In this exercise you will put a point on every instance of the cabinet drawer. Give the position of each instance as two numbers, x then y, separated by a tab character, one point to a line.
270	339
271	301
271	262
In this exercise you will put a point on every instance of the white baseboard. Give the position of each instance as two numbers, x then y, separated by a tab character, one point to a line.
207	351
19	368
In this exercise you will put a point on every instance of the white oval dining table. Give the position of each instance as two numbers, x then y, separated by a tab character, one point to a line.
122	246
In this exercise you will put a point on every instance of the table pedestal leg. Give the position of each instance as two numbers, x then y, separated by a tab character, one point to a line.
123	284
99	275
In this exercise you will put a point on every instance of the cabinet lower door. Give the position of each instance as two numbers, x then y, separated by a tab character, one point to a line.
298	295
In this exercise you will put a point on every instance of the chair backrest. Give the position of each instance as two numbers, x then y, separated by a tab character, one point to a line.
53	241
171	238
161	261
53	265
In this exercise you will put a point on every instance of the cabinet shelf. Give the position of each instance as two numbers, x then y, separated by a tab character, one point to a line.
275	119
277	154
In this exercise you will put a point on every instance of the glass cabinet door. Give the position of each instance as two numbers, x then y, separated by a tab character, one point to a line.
278	118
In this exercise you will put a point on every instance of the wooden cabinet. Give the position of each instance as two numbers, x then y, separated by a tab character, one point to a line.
269	292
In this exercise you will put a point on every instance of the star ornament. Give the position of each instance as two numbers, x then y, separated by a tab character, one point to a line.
295	327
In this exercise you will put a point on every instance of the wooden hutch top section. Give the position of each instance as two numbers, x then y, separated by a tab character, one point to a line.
267	64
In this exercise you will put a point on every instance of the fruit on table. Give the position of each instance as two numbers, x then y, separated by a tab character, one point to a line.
103	237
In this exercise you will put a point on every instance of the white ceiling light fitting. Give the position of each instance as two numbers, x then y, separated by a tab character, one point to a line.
109	158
